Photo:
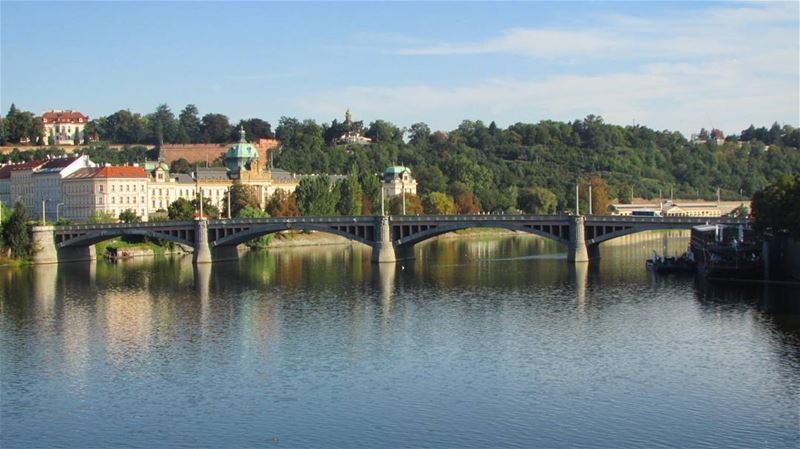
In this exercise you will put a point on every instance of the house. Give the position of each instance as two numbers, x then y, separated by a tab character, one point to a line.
62	127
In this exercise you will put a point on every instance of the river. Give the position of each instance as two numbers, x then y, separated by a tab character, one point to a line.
478	343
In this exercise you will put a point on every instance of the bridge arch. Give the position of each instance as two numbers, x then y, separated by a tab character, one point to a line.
451	227
636	229
94	237
261	230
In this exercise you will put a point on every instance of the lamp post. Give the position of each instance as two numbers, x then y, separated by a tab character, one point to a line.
58	213
403	187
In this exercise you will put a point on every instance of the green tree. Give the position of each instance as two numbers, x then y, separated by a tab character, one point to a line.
209	210
189	125
181	210
163	125
776	206
438	203
254	212
216	128
21	124
255	128
430	179
180	166
381	131
242	196
413	205
129	216
625	193
282	204
315	196
350	194
101	217
537	200
371	196
15	232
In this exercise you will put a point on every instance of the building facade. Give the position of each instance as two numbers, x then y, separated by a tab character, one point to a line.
105	190
62	127
396	180
48	183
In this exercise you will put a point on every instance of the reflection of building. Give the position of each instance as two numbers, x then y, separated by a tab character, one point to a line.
107	190
61	127
396	180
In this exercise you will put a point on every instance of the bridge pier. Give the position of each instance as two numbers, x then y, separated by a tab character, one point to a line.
383	250
576	250
45	250
202	250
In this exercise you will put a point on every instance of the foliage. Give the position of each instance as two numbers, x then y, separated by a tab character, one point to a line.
21	124
740	211
242	196
255	128
181	210
282	204
315	196
15	232
101	217
209	210
371	193
216	128
350	194
465	203
537	200
438	203
776	206
600	196
255	212
413	205
129	216
180	166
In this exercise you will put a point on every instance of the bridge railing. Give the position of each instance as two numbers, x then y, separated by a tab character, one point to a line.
370	219
144	224
688	220
476	217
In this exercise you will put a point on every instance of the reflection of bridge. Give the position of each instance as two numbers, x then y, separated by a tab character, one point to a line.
392	238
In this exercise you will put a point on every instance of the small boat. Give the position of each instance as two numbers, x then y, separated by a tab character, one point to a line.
727	252
664	265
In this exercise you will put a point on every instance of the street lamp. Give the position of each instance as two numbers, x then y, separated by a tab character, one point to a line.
58	211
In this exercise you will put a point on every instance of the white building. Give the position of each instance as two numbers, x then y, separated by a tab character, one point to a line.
61	127
108	190
48	180
21	189
396	180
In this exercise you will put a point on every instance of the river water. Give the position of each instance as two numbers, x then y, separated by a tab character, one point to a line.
489	342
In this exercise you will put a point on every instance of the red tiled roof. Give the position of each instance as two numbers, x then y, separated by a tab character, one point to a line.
64	117
61	162
110	172
30	165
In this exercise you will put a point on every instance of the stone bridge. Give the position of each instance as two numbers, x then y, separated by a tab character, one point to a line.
391	238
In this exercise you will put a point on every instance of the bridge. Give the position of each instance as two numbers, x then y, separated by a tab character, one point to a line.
391	238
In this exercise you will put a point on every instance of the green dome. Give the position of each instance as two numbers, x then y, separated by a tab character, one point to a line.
240	154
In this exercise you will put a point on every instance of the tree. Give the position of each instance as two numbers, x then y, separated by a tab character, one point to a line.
21	124
76	139
383	131
163	125
413	205
625	193
350	194
371	193
209	210
216	128
129	216
282	204
181	210
537	200
255	212
430	179
600	196
189	125
242	196
775	206
101	217
315	196
15	232
180	166
255	128
438	203
419	134
465	203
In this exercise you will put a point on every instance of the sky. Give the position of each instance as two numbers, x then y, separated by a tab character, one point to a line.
666	65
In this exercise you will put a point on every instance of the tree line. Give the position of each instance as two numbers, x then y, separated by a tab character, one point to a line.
525	166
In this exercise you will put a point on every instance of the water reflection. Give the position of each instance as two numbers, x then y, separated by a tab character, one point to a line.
482	342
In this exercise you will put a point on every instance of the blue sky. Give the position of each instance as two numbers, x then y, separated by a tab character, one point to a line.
665	65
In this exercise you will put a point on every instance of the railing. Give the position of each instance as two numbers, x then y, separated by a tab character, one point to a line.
145	224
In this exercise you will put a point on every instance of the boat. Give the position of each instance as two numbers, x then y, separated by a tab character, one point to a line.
664	265
727	252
